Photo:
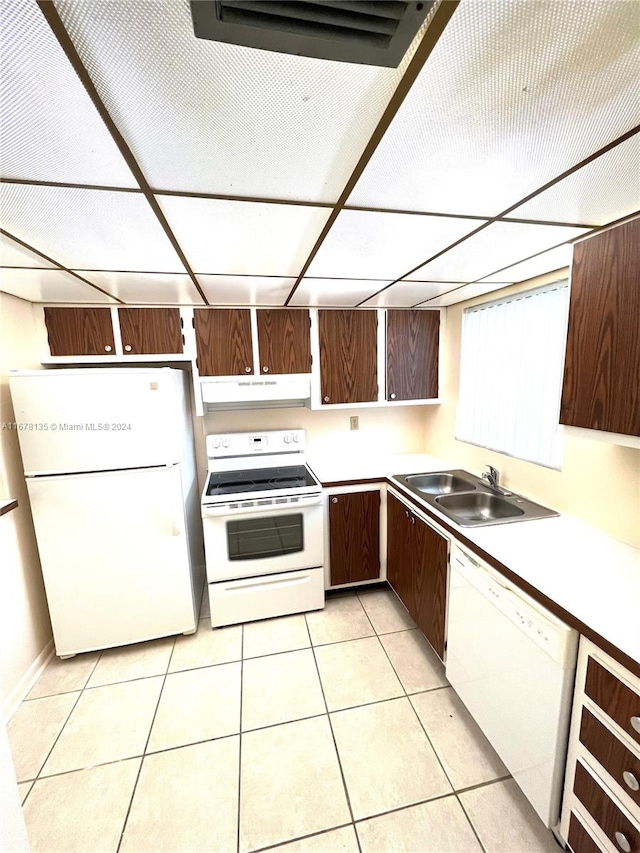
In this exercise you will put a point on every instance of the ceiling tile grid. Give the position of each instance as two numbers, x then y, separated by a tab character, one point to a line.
51	130
90	229
237	237
12	254
542	263
499	245
367	244
217	118
406	294
513	94
46	285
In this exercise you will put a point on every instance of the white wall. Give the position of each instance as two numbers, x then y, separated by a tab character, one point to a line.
599	482
25	630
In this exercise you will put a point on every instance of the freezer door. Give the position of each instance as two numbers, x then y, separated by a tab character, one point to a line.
114	557
97	420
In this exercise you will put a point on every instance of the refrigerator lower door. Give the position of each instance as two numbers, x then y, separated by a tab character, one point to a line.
114	556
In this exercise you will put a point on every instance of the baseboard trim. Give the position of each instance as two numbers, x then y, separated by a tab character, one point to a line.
22	688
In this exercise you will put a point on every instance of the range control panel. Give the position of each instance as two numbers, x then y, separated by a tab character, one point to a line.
222	445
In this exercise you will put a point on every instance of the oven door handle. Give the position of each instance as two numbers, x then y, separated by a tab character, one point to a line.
216	510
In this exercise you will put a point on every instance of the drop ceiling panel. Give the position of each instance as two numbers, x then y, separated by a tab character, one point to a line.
88	229
218	118
243	238
501	244
513	94
405	294
365	244
554	259
12	254
50	129
467	291
245	289
335	291
38	285
146	288
604	190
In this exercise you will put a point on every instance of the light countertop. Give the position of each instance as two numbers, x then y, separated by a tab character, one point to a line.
591	575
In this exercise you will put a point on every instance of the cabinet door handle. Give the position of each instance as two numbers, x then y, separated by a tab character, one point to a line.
623	842
334	500
392	396
635	723
325	399
107	348
265	369
127	348
247	370
630	780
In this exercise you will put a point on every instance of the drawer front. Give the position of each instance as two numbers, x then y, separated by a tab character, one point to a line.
616	759
579	839
618	828
617	700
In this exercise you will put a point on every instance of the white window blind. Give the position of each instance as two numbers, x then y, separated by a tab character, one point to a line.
511	374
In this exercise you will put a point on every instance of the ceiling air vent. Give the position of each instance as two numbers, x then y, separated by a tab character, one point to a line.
362	31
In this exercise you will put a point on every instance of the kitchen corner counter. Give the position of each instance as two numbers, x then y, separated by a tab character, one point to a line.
591	576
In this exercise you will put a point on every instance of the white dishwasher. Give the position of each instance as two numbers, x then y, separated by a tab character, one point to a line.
513	664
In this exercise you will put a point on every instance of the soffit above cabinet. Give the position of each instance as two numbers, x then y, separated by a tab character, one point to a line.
50	129
142	288
512	95
606	189
245	289
218	118
334	292
499	245
46	285
89	229
243	238
367	244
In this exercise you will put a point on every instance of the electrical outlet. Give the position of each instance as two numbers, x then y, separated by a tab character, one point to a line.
353	422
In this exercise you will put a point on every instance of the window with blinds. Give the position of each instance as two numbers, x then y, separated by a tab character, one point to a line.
511	374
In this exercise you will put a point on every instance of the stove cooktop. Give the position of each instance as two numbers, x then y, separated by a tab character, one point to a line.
288	478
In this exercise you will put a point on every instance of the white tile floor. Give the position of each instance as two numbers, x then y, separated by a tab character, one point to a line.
334	731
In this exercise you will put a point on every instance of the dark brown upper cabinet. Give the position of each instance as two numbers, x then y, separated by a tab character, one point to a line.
417	561
79	331
223	341
412	354
354	536
602	367
284	340
348	356
149	331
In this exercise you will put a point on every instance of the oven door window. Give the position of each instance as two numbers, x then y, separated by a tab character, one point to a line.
265	536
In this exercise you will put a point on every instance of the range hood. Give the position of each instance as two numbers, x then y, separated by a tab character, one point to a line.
275	392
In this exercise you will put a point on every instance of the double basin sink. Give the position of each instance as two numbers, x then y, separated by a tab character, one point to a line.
469	501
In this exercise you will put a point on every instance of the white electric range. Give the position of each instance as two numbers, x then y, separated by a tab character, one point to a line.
262	516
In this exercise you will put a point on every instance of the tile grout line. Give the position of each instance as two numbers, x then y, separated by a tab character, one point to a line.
333	737
298	838
473	829
240	738
75	704
144	751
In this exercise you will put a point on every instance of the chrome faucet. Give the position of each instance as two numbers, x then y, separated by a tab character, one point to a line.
492	476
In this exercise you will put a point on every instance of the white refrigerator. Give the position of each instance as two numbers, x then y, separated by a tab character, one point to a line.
110	469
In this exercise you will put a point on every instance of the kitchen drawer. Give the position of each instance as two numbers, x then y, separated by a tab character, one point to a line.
611	753
579	839
620	702
621	832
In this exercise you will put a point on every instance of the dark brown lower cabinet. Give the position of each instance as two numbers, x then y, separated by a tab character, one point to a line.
354	536
417	570
579	839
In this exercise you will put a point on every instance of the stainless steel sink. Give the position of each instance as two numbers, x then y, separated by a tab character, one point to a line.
442	483
469	501
478	507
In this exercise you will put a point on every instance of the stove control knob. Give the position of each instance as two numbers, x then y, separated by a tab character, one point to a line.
296	438
287	439
216	442
226	442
